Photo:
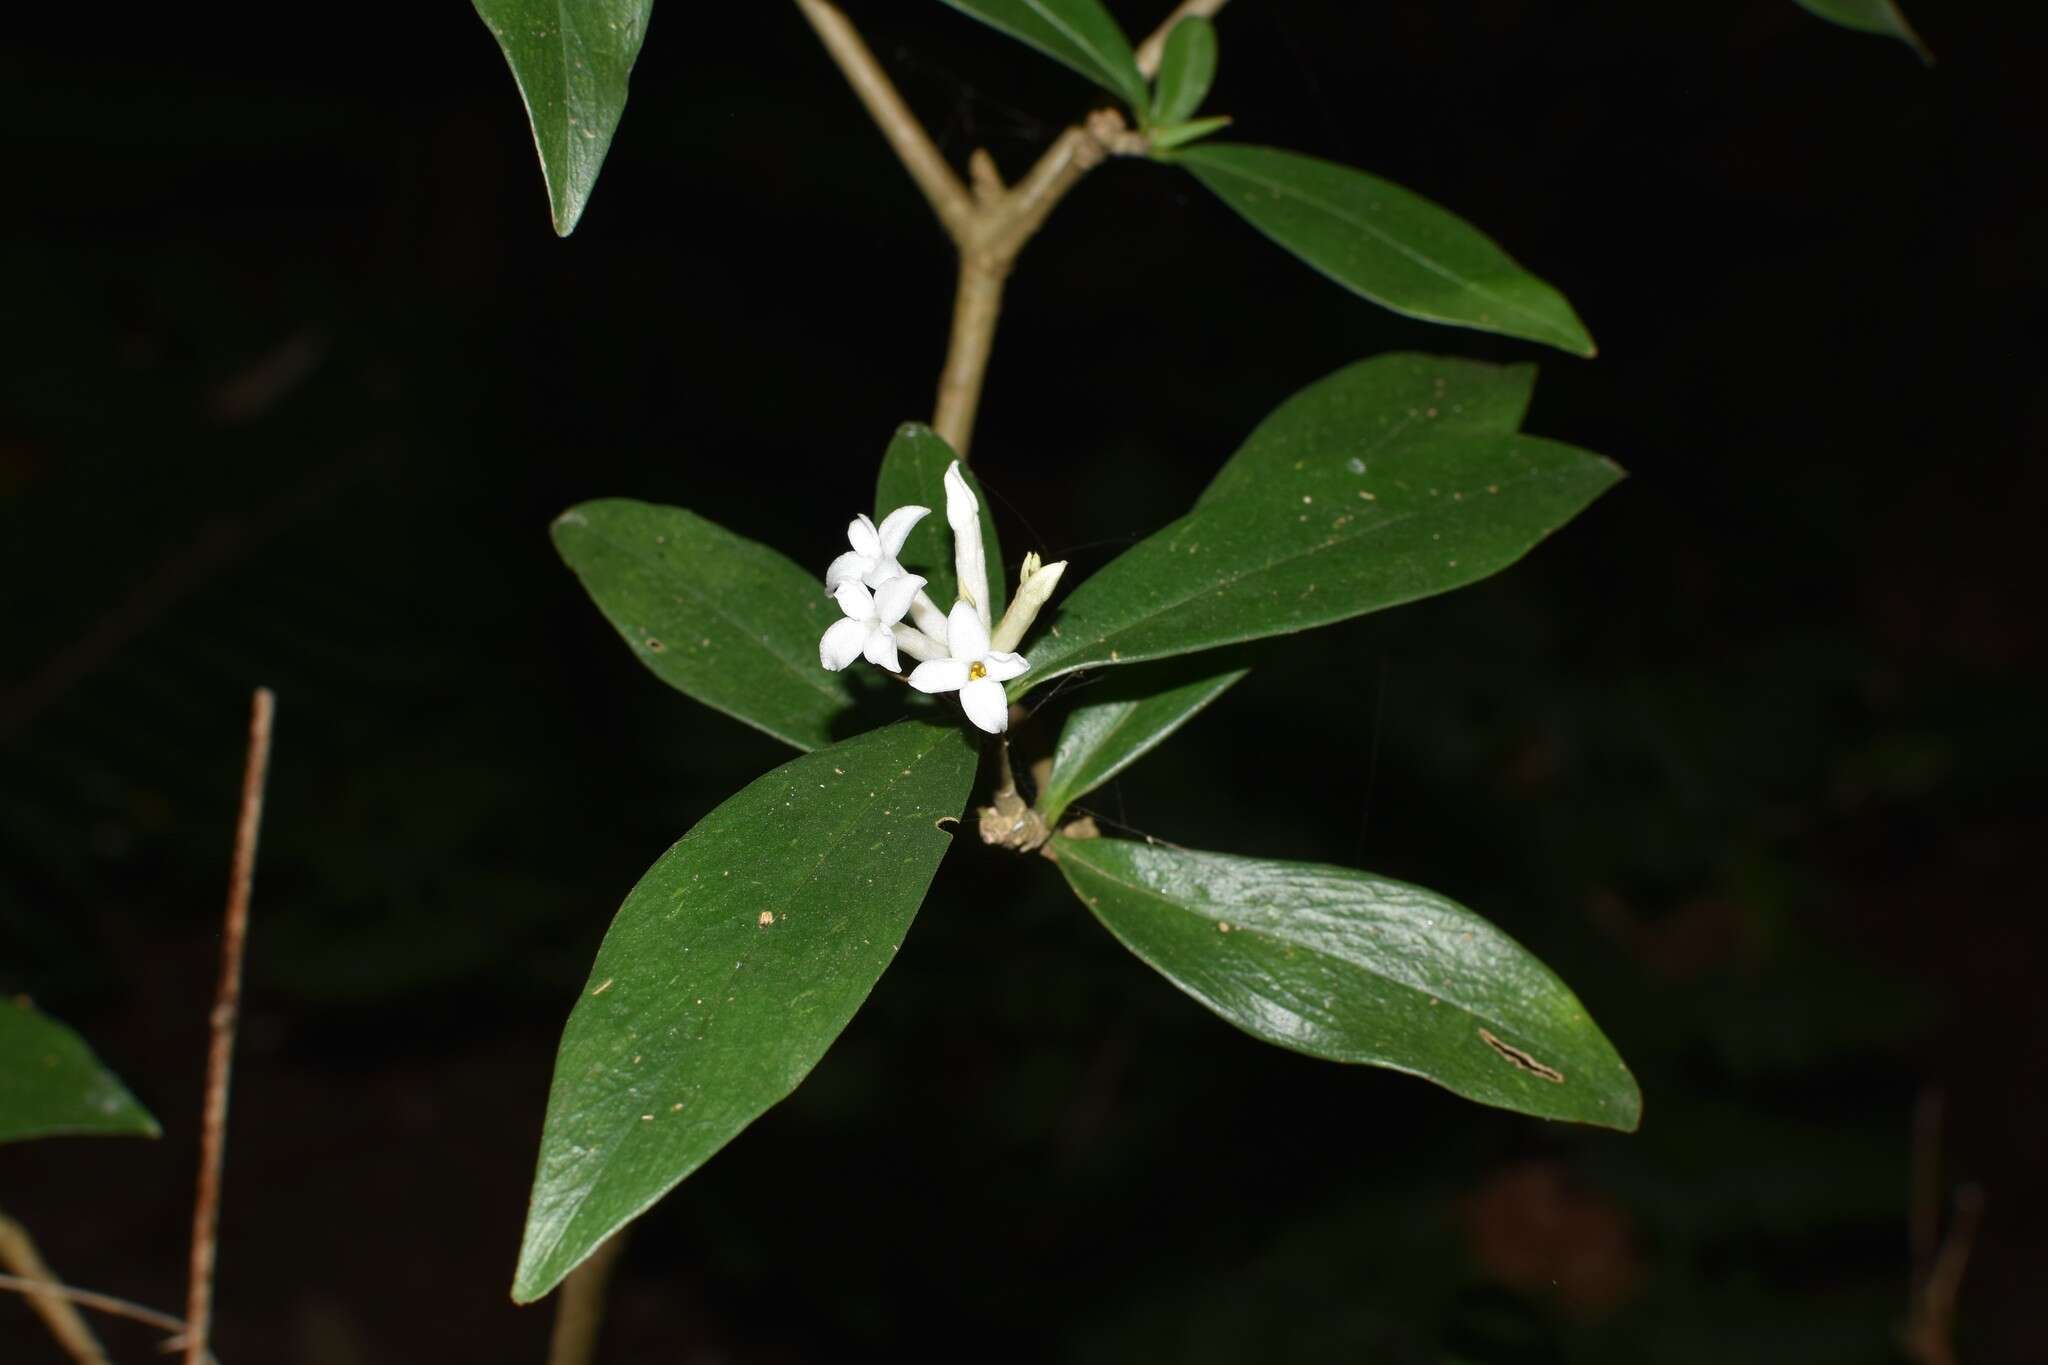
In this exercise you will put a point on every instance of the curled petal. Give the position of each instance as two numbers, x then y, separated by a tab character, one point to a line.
939	675
966	636
1003	667
881	649
860	533
855	600
841	644
893	598
896	526
847	568
970	566
986	705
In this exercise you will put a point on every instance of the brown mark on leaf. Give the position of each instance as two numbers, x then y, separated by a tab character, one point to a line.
768	918
1522	1059
944	820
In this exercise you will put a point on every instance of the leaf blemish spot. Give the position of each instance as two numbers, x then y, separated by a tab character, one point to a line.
1222	926
1522	1060
767	918
605	987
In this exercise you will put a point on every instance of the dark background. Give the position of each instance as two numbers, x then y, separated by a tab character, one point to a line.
293	376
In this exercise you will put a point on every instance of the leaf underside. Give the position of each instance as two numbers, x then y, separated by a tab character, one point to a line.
729	970
1124	719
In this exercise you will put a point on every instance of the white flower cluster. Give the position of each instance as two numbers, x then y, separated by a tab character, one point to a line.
958	650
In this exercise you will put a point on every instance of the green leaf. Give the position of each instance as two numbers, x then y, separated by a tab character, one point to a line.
1187	66
729	970
1115	730
726	620
1351	967
571	60
1167	137
1077	33
1386	243
1392	480
50	1083
1869	16
914	474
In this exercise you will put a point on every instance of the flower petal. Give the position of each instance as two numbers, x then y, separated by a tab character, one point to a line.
849	566
970	567
940	675
855	600
986	705
896	526
841	644
860	533
881	570
928	617
892	599
1003	667
966	636
916	643
881	649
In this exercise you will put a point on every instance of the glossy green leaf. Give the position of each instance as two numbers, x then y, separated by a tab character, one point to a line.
571	60
1187	66
729	970
726	620
1386	243
1392	480
1125	719
914	474
1078	33
51	1084
1166	137
1869	16
1351	967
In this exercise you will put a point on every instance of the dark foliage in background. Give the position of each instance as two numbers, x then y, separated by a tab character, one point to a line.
293	376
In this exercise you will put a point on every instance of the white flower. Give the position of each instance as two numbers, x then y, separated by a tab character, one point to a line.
872	560
963	514
869	625
973	671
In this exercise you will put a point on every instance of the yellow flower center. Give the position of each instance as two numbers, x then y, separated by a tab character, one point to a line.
976	671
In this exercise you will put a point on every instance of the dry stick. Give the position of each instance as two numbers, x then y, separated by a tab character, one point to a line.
226	1009
988	223
51	1301
579	1309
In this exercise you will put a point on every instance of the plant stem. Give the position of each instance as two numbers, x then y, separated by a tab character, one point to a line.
226	1012
51	1302
989	224
579	1310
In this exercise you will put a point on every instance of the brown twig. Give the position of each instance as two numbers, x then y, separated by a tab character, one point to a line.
226	1011
988	223
1928	1336
1154	47
46	1295
579	1308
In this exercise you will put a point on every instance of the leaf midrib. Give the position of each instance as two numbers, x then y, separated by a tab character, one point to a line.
1081	659
1060	25
887	784
805	675
1549	326
1307	947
